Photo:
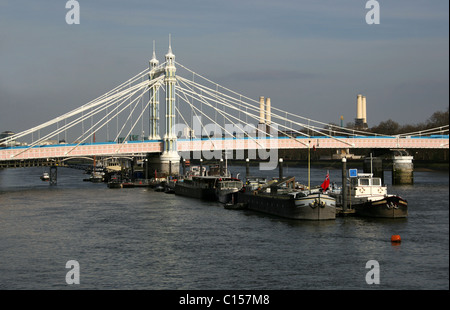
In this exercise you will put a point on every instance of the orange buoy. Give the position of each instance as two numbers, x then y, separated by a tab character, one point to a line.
396	238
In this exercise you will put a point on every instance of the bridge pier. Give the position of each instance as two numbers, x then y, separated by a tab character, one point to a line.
402	170
166	164
53	175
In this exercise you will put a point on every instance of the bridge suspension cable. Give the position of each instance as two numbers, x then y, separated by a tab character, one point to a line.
225	102
234	101
111	104
189	93
430	131
237	104
93	103
250	104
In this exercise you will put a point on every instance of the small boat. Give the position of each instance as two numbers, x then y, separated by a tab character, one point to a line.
45	177
127	184
160	188
115	182
169	187
368	197
169	190
96	177
235	206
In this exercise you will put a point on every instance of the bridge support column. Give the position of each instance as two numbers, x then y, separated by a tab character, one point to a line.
402	170
374	165
166	164
53	175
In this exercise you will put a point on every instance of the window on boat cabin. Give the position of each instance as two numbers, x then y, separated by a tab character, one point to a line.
364	182
376	181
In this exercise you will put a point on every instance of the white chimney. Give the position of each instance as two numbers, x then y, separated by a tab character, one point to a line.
268	112
262	111
363	106
359	107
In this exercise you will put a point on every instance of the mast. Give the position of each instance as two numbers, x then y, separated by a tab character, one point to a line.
309	166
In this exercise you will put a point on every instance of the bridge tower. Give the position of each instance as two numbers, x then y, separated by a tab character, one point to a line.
169	136
154	98
170	160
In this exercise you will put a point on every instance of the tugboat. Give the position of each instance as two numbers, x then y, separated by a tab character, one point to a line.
368	197
96	177
115	182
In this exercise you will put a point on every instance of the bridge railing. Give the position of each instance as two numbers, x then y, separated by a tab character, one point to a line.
212	144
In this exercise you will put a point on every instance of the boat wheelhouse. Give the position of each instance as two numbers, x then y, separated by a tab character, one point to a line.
369	197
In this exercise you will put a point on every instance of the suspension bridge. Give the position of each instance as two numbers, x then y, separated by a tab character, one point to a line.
202	119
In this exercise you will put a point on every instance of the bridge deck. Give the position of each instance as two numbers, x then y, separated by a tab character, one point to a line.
155	146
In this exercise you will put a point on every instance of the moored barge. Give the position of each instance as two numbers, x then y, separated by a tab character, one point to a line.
288	202
213	188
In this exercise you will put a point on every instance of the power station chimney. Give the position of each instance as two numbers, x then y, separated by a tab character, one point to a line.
359	107
359	112
268	112
364	115
262	111
361	116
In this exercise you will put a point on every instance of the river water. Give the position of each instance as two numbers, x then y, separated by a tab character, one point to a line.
141	239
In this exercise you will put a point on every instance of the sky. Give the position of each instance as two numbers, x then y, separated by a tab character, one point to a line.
311	57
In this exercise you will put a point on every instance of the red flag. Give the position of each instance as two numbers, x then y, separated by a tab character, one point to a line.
326	183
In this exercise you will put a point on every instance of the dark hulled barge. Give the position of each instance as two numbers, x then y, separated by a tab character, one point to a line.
281	199
213	188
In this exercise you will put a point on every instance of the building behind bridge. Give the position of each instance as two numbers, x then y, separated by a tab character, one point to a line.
8	143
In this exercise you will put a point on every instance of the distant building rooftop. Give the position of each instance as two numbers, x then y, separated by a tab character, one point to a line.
6	134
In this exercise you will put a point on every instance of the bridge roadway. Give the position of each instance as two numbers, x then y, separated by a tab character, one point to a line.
139	148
